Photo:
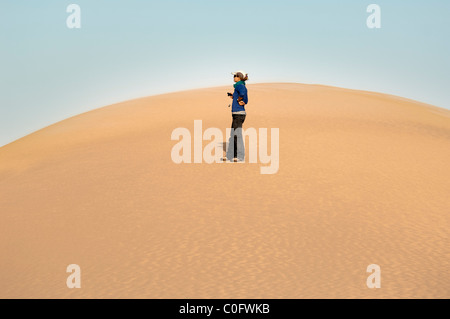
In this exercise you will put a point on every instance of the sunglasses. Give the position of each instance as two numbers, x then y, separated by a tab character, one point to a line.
236	76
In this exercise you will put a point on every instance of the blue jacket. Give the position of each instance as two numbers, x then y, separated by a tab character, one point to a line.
239	91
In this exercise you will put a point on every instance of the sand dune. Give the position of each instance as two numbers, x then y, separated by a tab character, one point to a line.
363	179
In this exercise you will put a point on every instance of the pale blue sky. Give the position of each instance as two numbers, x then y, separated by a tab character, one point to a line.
135	48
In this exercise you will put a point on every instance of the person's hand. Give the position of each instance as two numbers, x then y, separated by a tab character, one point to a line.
231	96
241	103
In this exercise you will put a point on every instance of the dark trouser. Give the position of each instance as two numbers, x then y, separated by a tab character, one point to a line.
236	140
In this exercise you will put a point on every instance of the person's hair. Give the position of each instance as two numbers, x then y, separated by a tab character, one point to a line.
241	76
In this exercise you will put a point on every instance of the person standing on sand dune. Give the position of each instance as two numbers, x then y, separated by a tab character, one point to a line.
240	99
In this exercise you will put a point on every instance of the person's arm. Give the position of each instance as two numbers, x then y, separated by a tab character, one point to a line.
242	97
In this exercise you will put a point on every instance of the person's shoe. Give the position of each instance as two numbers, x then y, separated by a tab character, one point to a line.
237	160
226	160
